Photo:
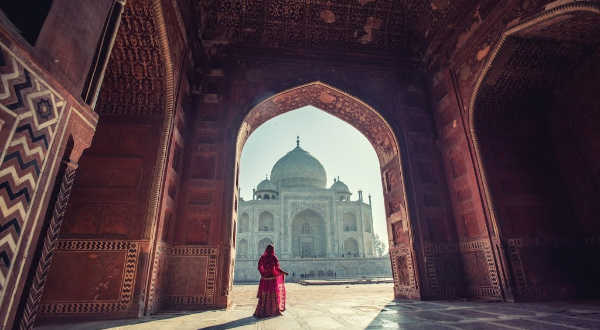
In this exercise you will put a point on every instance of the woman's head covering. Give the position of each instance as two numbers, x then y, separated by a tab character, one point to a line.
270	250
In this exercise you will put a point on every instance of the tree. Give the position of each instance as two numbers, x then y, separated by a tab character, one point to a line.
380	247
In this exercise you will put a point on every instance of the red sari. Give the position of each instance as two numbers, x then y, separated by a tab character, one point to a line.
271	289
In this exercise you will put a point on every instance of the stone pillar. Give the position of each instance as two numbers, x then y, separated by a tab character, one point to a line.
331	227
335	236
288	228
362	226
253	229
283	230
36	291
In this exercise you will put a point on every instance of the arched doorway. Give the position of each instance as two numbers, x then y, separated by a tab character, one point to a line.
242	248
351	248
262	245
265	222
535	137
383	139
349	222
244	223
308	235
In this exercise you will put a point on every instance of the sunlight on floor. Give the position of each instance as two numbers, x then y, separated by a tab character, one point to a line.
365	306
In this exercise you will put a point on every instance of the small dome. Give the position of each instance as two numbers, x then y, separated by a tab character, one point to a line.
298	168
266	185
340	187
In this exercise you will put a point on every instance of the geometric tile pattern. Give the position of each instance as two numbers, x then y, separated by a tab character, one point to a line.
29	111
124	301
405	283
195	251
483	247
36	290
403	26
134	79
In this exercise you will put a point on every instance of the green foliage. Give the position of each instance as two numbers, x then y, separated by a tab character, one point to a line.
380	246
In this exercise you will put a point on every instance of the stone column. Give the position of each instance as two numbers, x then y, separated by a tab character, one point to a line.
287	234
31	308
331	227
254	228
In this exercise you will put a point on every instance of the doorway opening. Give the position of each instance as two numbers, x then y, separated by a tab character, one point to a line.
313	227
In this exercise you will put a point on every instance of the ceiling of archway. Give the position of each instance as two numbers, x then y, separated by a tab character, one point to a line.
399	26
533	65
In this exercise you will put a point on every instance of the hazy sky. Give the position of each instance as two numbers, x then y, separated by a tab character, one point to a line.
342	150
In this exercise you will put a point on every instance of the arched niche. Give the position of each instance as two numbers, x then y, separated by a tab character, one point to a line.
308	235
533	134
242	248
351	248
350	223
262	245
266	222
244	223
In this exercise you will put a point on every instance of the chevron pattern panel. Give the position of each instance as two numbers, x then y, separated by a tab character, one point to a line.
29	114
41	273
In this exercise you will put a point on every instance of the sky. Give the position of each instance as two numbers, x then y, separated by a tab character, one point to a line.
341	148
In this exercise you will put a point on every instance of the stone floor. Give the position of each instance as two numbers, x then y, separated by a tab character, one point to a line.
368	306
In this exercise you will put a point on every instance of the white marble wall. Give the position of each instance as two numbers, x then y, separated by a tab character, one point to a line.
245	270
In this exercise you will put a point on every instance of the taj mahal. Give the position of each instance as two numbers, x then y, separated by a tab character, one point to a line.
317	231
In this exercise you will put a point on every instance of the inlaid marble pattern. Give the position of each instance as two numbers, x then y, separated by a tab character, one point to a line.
29	114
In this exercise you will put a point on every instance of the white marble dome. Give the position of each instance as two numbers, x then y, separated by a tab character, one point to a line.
298	168
266	185
340	187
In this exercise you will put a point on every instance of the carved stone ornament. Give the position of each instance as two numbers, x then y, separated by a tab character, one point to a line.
337	103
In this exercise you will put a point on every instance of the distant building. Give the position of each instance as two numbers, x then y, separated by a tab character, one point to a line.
317	231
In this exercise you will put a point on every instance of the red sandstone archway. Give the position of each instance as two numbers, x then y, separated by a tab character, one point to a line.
523	167
370	123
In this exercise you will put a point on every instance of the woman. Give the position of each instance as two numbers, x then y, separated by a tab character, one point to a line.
271	289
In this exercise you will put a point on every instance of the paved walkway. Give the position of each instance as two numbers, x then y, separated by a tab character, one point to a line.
366	306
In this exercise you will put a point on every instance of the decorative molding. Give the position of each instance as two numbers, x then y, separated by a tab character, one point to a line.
134	82
404	273
32	305
483	246
154	291
127	284
334	101
193	251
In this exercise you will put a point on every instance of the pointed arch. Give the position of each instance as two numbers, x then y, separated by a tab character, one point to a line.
378	132
517	70
333	101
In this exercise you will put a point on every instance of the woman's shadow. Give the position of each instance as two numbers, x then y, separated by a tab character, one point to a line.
239	323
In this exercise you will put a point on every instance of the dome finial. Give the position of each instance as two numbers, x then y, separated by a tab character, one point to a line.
298	141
